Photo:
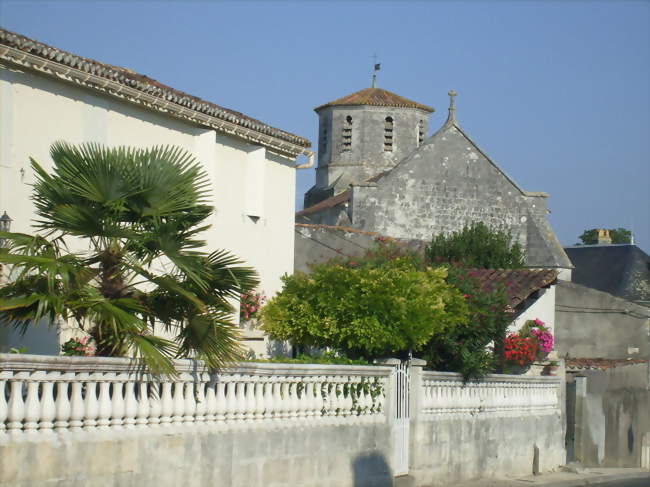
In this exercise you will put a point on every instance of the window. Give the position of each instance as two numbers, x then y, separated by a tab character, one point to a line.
420	131
388	134
346	145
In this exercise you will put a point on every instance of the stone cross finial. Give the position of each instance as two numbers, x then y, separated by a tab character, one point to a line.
452	106
452	95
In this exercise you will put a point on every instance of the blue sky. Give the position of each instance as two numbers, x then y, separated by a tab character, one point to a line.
557	93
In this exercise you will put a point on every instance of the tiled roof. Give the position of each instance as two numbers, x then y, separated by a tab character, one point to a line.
519	284
376	97
135	81
334	227
327	203
600	363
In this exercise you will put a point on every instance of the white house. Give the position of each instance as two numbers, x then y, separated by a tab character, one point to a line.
47	94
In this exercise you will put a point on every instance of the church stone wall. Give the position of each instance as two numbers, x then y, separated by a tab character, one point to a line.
447	184
366	157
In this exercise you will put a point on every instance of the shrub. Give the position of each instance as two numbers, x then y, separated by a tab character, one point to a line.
370	307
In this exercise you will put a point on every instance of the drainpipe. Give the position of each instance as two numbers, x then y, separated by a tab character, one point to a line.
310	160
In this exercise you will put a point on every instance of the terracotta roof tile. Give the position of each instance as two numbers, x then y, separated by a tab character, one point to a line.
376	97
140	82
520	284
600	363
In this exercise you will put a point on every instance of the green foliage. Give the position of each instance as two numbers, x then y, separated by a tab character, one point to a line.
326	358
478	247
139	214
618	235
473	347
367	308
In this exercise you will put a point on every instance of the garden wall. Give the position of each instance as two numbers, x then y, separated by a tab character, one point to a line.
82	421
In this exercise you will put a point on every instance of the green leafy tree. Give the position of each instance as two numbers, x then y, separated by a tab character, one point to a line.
139	214
474	347
618	235
365	309
477	246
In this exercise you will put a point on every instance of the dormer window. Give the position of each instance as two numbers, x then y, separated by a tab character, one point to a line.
388	134
420	132
346	144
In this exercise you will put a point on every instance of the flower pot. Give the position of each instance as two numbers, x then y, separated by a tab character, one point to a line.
549	370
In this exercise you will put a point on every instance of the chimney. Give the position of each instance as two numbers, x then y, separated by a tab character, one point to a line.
603	237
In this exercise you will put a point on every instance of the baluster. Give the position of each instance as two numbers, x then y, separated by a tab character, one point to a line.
143	406
277	400
293	404
210	399
61	403
104	414
220	400
32	404
240	399
286	399
259	397
179	402
269	400
319	403
77	410
130	402
200	399
3	400
336	400
167	403
231	399
249	410
118	405
91	403
190	402
348	401
16	405
48	410
4	375
155	402
309	401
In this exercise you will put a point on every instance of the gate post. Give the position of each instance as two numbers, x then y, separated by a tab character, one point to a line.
417	388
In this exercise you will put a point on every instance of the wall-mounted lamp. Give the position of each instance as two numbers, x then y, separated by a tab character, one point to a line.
5	226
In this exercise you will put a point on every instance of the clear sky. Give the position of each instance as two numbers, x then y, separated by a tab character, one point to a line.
556	92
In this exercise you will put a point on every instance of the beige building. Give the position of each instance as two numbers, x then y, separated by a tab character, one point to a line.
47	94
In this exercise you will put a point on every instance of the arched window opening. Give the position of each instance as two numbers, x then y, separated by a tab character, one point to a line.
347	135
420	132
388	134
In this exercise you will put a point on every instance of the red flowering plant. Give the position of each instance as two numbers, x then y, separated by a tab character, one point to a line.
533	342
78	347
250	304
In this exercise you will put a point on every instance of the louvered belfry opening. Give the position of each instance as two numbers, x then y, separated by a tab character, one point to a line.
388	134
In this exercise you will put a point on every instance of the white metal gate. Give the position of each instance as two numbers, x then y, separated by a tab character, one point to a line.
401	418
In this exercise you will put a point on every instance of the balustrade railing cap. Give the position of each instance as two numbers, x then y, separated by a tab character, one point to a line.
26	362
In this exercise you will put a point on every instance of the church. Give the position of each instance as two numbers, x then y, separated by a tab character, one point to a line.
379	174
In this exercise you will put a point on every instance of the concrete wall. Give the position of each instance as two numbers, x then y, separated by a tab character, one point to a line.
329	456
612	416
248	181
594	324
447	452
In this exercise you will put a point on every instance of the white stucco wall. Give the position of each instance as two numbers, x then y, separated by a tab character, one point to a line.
36	110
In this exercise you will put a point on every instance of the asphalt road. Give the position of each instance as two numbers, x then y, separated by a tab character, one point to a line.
627	483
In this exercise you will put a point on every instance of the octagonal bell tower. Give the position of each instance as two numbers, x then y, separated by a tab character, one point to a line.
362	135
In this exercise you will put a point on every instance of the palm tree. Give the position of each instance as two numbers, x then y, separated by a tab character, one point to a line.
140	214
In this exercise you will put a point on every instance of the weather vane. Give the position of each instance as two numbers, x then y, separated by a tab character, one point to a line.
377	68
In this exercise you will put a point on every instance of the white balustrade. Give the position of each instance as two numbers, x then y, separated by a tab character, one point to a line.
445	395
40	395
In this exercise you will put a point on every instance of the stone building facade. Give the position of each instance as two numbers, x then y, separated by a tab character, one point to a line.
425	186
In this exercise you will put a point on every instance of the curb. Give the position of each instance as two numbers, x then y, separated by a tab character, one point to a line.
597	480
